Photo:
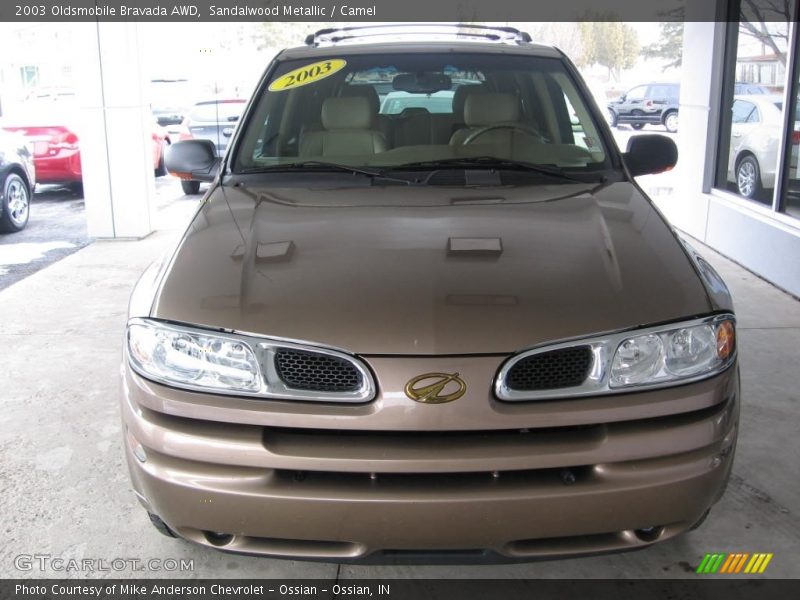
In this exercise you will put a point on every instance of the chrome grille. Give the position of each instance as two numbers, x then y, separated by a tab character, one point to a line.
562	368
311	371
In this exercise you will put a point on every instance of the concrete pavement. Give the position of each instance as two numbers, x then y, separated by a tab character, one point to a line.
65	486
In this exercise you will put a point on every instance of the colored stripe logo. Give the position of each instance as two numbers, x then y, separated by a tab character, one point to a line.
734	563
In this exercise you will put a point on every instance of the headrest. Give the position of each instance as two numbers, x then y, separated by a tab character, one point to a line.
346	113
486	108
460	98
414	111
365	90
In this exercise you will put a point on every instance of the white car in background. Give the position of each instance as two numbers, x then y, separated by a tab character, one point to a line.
756	133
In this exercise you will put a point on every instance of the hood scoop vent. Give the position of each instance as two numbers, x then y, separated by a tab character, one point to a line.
475	246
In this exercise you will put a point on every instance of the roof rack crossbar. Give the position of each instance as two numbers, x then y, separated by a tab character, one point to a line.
335	35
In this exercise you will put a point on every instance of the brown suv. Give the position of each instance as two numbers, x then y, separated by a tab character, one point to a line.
448	332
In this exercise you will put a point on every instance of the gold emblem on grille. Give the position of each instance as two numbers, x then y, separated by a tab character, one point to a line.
436	388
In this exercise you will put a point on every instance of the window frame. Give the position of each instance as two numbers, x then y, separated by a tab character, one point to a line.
721	152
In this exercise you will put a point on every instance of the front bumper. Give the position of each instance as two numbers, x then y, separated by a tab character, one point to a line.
337	483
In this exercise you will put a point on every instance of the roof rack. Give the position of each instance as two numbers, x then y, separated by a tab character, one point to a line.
418	31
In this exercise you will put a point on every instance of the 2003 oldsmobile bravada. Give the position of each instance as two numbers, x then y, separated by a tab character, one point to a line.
424	308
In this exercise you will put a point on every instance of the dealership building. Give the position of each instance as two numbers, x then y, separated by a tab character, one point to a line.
717	128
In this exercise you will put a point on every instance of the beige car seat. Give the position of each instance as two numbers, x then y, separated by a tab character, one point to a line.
489	108
347	123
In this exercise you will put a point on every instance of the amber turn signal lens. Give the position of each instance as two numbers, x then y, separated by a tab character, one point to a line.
726	339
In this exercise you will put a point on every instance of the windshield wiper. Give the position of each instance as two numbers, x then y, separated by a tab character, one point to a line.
492	162
323	166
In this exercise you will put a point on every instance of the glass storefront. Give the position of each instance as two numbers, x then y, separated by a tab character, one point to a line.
789	201
758	145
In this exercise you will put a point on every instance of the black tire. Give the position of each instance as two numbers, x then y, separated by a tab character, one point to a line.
16	202
612	118
748	177
637	126
161	169
162	527
670	121
76	188
190	187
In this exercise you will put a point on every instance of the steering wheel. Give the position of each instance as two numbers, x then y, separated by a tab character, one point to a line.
527	129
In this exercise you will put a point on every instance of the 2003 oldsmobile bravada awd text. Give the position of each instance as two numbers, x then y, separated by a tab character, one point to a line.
427	333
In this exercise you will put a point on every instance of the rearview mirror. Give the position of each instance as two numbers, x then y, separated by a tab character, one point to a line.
421	83
649	154
192	159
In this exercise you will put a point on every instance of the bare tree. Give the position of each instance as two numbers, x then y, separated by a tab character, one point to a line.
768	22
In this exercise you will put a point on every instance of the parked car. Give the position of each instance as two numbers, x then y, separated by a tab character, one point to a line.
654	103
17	180
169	100
488	344
160	142
756	133
213	120
50	127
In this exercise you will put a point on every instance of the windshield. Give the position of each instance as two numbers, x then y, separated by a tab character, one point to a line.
408	109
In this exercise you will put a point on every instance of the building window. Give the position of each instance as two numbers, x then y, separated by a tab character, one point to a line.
30	76
753	128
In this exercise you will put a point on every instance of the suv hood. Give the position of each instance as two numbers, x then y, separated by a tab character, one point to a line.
429	270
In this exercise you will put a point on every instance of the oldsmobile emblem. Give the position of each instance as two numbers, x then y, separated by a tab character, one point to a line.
436	388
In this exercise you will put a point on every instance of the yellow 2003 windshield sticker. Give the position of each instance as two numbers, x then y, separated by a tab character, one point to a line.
307	74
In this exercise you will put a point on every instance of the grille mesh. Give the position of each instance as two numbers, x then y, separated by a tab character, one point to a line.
566	367
315	372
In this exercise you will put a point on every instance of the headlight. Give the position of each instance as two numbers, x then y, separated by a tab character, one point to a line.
672	355
651	357
233	363
196	359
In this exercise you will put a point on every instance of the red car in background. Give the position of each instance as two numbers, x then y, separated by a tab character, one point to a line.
56	155
46	124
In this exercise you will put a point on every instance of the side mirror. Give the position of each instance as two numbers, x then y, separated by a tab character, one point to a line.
192	159
649	154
